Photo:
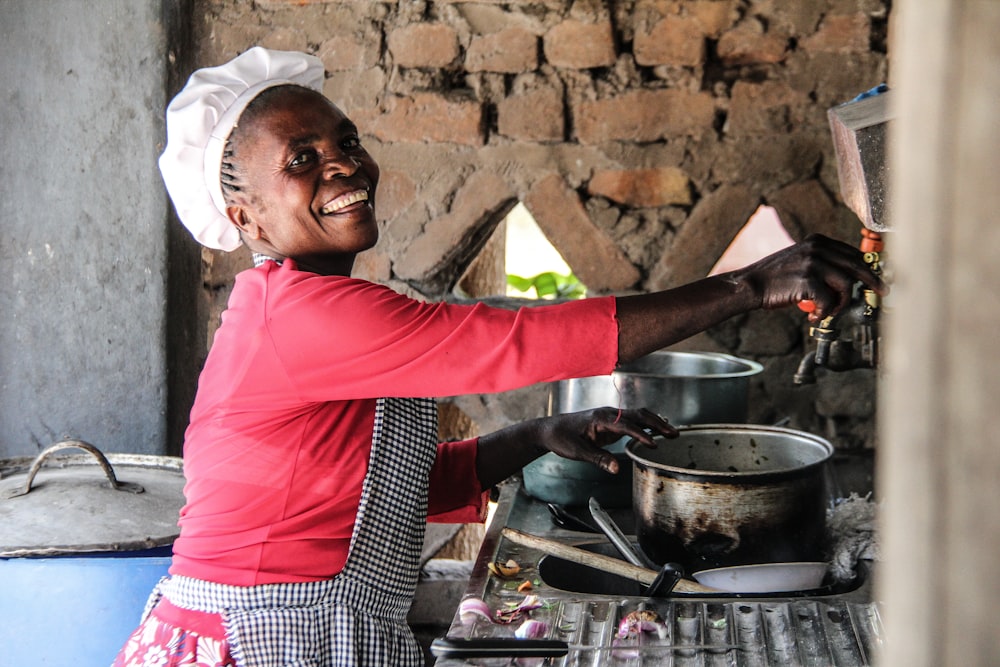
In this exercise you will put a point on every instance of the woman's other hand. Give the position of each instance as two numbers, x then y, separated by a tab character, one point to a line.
581	436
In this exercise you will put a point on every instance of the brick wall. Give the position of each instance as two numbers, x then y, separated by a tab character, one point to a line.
640	134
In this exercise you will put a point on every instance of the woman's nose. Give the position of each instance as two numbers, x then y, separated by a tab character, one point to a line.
340	165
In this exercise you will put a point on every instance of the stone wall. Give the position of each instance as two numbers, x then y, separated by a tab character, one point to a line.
640	134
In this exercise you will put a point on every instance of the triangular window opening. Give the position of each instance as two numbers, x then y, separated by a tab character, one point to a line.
534	268
762	235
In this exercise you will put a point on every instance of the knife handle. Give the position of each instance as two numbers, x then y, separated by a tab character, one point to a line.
498	647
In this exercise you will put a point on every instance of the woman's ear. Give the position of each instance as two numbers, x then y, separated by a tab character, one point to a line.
239	216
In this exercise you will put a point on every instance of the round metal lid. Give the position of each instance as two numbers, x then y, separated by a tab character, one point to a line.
88	503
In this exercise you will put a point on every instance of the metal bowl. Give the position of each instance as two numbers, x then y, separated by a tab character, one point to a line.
684	387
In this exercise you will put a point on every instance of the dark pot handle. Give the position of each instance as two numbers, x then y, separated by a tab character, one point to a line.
79	444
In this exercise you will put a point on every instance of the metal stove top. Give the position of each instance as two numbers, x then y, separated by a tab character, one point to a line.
837	629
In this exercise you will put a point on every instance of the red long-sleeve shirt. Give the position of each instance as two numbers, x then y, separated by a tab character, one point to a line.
280	433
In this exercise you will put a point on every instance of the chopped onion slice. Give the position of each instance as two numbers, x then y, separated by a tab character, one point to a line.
623	651
504	570
531	629
472	609
638	622
515	612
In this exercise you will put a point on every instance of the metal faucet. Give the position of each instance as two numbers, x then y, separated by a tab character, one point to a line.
849	339
859	129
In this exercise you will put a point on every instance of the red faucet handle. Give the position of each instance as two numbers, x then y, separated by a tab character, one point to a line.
871	241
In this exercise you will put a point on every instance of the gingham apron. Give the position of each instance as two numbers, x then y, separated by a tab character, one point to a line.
358	618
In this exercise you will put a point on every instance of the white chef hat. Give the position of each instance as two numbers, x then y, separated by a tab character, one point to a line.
199	120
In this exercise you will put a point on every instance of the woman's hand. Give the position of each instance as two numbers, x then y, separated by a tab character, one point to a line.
581	436
577	435
818	269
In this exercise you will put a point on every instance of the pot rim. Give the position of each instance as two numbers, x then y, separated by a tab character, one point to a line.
751	367
631	449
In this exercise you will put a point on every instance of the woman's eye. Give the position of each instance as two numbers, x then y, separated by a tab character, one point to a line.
352	142
303	158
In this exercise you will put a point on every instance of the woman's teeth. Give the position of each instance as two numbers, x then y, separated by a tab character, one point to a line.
344	201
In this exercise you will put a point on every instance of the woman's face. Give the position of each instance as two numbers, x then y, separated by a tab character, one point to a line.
308	187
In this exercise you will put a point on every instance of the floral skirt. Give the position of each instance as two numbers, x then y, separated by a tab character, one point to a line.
175	637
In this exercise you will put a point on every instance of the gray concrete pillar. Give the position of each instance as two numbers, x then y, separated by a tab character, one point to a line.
83	214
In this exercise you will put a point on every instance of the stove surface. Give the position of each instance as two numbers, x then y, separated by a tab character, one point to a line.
838	626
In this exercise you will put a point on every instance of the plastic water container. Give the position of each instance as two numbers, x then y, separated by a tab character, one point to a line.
74	610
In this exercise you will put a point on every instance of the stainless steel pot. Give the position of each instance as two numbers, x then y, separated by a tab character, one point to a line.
684	387
731	494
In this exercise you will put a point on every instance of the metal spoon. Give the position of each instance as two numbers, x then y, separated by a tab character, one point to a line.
562	518
617	537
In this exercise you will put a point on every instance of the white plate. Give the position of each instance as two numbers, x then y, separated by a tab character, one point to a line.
764	577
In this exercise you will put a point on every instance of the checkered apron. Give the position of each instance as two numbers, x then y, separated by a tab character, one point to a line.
358	618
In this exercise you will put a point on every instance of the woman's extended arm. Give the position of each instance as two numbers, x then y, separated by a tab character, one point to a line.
818	269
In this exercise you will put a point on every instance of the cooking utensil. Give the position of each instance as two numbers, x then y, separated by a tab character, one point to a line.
669	574
685	387
79	505
498	647
508	647
666	579
617	566
765	577
564	519
731	494
617	537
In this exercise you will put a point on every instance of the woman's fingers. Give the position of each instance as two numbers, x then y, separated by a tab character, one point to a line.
820	270
640	424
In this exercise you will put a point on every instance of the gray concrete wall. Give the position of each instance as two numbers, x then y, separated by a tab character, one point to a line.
83	214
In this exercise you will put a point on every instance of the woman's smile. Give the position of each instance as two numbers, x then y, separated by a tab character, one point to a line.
343	201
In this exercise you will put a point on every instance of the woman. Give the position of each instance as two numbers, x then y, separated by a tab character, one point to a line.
311	459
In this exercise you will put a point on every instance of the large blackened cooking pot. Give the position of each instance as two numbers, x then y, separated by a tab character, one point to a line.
731	494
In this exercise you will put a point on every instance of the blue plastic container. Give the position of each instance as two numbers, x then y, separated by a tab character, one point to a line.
74	610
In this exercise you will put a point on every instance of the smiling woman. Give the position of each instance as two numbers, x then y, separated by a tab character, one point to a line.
311	460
